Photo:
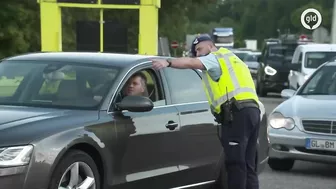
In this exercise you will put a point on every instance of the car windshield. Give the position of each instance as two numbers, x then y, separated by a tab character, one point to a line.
241	55
282	51
224	39
315	59
322	82
251	58
54	85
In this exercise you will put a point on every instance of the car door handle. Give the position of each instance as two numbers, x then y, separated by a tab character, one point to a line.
171	125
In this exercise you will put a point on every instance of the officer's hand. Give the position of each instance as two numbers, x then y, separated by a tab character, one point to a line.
159	63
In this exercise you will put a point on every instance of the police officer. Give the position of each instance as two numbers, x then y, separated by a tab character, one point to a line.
234	103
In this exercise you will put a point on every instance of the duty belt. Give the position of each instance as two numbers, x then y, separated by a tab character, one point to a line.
240	104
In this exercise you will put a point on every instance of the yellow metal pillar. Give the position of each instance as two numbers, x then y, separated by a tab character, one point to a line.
51	26
148	27
101	24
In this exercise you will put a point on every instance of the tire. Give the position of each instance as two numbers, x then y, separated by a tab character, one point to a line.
281	164
87	169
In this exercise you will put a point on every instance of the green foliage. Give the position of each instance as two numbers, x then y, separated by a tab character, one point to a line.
19	30
252	19
260	19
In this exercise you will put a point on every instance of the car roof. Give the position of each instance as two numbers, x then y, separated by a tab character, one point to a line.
317	47
113	59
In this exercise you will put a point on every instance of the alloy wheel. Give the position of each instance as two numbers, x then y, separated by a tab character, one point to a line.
79	175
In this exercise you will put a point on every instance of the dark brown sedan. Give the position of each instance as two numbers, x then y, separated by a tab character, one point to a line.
65	124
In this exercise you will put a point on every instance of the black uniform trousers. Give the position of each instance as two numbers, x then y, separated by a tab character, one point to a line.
239	140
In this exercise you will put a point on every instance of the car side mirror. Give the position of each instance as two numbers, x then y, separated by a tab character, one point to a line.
295	67
135	104
287	93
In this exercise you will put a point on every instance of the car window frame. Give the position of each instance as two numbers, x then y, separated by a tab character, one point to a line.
146	65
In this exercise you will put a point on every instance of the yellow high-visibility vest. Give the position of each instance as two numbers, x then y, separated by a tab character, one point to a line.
236	81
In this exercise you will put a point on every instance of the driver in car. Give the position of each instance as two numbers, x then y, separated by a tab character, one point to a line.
136	85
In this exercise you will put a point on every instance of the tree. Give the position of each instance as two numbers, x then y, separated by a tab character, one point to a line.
258	19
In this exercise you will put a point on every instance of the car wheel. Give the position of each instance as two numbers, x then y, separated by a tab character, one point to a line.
76	170
281	164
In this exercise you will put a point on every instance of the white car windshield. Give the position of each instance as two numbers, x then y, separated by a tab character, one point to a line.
322	82
54	85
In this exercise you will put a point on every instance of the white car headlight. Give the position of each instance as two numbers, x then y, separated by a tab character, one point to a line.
270	71
15	156
277	121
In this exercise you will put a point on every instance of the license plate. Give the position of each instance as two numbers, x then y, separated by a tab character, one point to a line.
317	144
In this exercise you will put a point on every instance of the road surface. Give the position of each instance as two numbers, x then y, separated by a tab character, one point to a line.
304	175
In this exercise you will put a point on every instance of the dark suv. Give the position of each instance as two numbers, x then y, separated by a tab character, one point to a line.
274	66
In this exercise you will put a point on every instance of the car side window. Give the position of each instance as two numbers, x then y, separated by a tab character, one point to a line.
152	87
185	86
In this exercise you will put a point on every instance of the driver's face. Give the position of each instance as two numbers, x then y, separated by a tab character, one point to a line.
202	49
134	87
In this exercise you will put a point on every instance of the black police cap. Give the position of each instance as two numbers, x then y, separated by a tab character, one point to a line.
197	40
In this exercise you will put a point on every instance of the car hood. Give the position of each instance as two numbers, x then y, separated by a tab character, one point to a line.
21	125
309	106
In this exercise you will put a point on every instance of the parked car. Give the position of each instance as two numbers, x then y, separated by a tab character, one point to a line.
242	54
307	58
274	67
304	126
251	60
65	124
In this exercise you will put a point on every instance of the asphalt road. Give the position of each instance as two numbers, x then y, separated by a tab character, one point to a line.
304	175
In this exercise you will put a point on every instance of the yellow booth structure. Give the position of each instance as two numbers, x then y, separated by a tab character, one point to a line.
51	21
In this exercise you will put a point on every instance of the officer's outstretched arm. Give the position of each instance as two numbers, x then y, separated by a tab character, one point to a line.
187	63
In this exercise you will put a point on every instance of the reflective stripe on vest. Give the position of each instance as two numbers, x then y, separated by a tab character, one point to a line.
234	79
